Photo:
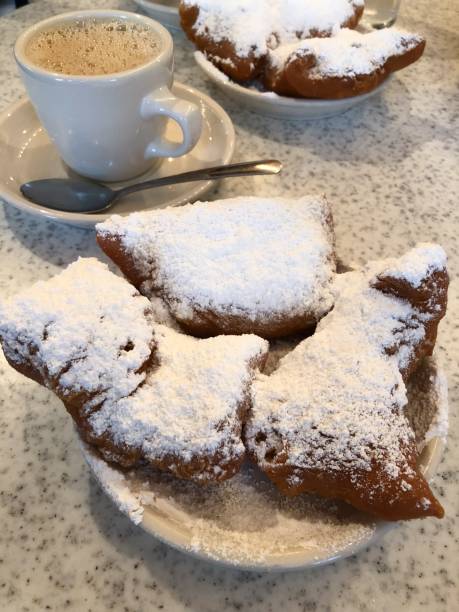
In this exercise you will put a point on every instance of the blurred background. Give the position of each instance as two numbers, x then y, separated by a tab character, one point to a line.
7	6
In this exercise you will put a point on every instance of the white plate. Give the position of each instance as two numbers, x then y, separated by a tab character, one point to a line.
269	103
164	11
26	154
245	522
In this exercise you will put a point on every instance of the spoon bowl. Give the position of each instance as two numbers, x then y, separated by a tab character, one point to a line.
71	195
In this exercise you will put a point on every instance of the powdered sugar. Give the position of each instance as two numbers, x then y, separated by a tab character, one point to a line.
414	267
246	520
253	26
216	74
428	402
352	412
85	330
438	427
115	485
188	405
213	70
247	256
347	53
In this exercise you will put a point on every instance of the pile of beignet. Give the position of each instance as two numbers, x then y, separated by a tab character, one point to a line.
298	48
330	419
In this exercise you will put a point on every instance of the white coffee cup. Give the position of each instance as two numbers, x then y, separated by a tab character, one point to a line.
110	127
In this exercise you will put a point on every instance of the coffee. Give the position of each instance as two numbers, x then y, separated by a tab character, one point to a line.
93	47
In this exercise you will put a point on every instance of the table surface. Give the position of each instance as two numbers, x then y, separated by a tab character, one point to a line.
390	170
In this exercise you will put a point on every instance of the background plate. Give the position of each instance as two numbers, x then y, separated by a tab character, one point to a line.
164	11
269	103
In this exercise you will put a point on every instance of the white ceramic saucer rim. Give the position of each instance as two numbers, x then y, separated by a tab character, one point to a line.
161	11
84	220
268	99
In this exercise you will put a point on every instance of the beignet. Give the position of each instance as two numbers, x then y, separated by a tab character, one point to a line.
236	35
139	392
330	419
242	265
347	64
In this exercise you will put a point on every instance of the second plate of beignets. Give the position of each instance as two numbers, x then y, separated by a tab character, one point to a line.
330	419
242	265
139	392
349	63
236	35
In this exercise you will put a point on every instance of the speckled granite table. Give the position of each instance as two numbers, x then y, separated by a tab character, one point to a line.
390	169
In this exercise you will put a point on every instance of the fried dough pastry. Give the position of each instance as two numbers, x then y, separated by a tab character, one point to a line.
347	64
139	392
242	265
236	35
331	419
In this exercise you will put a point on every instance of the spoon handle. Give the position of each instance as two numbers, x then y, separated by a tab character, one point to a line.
253	168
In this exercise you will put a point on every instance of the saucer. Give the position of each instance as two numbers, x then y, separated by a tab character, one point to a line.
28	154
164	11
246	523
270	104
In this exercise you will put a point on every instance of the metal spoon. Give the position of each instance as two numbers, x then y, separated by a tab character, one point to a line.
84	196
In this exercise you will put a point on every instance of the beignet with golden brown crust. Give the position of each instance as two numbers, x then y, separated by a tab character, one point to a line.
330	420
236	35
139	392
347	64
241	265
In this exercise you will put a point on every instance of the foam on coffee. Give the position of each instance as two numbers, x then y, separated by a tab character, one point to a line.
93	47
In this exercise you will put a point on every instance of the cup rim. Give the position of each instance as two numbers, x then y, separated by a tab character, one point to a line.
42	73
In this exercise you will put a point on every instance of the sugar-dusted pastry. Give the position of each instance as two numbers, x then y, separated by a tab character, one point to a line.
242	265
348	63
330	419
85	333
141	393
236	35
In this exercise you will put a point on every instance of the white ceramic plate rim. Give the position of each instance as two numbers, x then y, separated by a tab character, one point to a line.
268	99
160	8
284	563
162	528
289	562
15	199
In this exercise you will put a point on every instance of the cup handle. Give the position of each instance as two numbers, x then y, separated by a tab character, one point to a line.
188	115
